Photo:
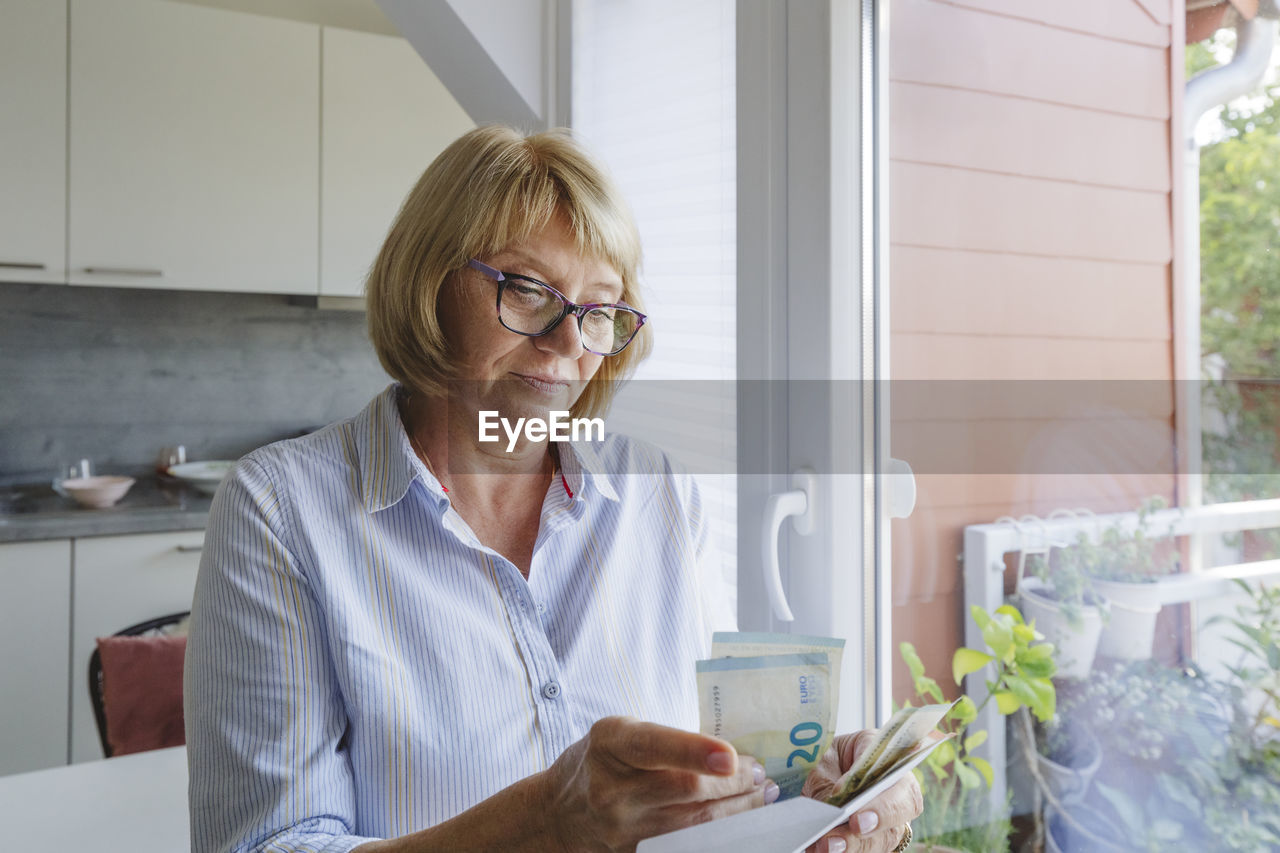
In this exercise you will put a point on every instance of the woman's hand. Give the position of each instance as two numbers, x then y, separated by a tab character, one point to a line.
628	780
880	826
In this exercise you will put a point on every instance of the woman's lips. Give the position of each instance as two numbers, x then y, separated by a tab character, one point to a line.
545	384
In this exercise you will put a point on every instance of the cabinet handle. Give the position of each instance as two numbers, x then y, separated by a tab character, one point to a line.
190	549
22	265
124	271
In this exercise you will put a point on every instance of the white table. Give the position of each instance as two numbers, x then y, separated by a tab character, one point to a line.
131	804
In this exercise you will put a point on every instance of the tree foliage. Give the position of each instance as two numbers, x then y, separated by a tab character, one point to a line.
1240	286
1240	233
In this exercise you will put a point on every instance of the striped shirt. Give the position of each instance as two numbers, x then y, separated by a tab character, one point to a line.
360	666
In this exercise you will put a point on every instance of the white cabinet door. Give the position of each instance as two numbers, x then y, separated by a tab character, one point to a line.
120	581
193	156
33	140
385	117
34	633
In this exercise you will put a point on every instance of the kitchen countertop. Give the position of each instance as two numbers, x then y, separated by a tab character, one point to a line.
34	511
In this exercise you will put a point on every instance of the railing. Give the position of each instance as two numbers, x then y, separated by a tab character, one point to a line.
985	547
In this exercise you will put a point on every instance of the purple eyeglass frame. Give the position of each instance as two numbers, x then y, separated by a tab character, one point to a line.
568	306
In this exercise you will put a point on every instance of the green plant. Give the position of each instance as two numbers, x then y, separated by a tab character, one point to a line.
958	811
1147	719
1147	824
1068	585
1237	780
1258	623
1140	710
1127	556
1119	554
1191	763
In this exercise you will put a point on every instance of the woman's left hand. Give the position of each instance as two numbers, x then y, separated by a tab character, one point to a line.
879	828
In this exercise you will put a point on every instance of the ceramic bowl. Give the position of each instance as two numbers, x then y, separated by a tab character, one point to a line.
97	492
204	476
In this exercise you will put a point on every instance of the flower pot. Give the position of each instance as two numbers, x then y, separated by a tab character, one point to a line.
1061	837
1076	647
1069	783
1131	631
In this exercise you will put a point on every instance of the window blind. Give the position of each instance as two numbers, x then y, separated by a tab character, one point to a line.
654	96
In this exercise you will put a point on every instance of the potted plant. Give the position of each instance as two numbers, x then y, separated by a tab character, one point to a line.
1123	566
1067	756
1127	727
1113	822
1143	714
958	813
1097	597
1059	600
1190	762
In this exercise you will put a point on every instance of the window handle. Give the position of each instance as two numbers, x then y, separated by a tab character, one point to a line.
796	504
900	489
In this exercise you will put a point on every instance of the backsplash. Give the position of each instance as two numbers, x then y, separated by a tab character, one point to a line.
114	374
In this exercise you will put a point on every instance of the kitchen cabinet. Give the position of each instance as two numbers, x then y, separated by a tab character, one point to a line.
120	581
192	148
33	116
34	633
385	116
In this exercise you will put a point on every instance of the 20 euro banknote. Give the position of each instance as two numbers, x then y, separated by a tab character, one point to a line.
739	644
775	708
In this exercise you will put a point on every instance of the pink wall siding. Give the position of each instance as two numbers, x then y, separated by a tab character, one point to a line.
1031	238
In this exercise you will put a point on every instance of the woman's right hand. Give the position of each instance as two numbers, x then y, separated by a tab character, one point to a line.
628	780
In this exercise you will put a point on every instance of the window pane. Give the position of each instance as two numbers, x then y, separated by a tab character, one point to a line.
1083	328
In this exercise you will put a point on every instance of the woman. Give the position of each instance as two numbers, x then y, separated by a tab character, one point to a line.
407	639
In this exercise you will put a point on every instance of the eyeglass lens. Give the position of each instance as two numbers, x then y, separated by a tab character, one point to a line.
532	309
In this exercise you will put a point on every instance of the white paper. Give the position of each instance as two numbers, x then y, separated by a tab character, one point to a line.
786	827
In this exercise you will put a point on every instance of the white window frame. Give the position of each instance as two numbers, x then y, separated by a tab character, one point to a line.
811	212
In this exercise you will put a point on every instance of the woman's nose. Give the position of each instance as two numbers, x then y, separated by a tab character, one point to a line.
565	340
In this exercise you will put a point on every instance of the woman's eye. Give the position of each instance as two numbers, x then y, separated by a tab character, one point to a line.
525	291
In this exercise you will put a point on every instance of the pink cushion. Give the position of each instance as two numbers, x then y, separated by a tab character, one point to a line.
142	692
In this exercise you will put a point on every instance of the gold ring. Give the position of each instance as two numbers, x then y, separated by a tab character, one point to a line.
906	839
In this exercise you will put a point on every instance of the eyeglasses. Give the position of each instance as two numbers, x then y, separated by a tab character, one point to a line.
532	308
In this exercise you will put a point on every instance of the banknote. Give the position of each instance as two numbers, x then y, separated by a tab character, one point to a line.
739	644
775	708
894	742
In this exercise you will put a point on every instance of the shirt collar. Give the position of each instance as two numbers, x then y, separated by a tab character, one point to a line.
579	462
389	465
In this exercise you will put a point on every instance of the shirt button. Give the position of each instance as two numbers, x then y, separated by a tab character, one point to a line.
542	608
551	690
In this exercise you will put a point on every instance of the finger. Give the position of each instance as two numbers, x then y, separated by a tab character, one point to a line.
835	762
852	746
668	787
649	746
899	805
843	841
688	814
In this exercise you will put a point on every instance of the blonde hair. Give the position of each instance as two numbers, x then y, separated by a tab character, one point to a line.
491	188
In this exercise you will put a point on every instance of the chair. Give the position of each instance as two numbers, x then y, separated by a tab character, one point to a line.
158	627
